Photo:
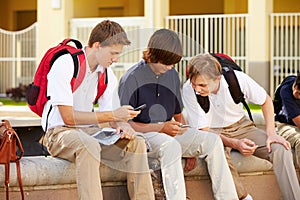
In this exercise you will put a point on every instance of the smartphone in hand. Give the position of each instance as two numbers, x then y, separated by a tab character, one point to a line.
141	107
185	126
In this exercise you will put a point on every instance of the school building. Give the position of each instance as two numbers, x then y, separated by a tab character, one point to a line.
263	36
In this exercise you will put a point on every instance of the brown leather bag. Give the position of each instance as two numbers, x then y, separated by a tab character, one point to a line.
9	145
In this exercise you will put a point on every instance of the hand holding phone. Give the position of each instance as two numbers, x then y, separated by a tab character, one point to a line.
185	126
141	107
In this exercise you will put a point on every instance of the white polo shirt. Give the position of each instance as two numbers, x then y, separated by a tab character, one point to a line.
223	111
60	92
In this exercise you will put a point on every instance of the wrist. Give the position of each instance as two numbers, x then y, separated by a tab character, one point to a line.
105	117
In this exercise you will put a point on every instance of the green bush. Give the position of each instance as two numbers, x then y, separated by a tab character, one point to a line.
10	102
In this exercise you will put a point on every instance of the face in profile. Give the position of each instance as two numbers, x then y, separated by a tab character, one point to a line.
203	85
296	92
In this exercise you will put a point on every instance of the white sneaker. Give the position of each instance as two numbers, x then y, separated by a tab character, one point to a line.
248	197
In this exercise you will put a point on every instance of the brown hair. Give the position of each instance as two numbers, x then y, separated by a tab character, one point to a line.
204	64
108	33
165	47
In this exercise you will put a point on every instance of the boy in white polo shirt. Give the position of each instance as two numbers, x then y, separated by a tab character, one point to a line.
72	119
226	118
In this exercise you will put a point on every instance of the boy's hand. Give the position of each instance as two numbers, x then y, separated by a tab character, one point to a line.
172	128
125	113
277	139
246	146
190	164
126	129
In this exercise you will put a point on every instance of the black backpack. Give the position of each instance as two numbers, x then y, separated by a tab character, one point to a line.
228	65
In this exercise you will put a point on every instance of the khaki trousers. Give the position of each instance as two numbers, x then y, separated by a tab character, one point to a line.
282	159
76	146
292	134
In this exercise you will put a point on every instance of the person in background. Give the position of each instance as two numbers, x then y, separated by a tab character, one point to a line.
154	82
287	112
227	119
72	119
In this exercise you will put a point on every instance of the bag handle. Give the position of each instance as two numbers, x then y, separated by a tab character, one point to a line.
76	42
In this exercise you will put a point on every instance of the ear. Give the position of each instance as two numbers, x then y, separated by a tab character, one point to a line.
96	45
219	77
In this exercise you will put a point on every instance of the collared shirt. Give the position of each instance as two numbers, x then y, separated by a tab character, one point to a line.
223	111
60	92
161	93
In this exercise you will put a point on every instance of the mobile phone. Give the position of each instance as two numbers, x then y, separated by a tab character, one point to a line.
141	107
185	126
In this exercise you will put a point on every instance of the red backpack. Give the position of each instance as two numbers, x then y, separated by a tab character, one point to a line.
36	95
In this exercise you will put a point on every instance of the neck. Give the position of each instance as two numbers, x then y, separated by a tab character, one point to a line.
91	59
154	68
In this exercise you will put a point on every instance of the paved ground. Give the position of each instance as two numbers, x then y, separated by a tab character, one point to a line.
19	116
16	111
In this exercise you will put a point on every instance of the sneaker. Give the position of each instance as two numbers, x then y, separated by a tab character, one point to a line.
248	197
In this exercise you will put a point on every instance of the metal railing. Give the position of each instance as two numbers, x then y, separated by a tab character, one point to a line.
201	33
285	47
211	33
17	57
136	33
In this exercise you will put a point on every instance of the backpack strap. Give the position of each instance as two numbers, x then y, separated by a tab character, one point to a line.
79	72
235	89
76	42
102	85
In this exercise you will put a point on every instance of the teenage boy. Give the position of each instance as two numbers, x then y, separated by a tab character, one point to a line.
287	112
227	119
72	118
154	82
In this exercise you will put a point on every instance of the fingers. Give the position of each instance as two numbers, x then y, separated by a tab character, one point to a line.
277	139
127	134
190	164
125	113
247	147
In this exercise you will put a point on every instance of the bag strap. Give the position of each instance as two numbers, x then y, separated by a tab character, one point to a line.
102	85
235	89
20	178
7	172
12	139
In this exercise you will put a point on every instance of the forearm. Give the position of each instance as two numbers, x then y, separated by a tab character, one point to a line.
72	117
268	113
229	142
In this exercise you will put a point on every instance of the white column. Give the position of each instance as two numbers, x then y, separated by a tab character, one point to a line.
259	41
259	29
53	23
155	13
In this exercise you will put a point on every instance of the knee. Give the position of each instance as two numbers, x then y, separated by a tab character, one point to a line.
89	147
171	148
280	151
213	140
137	145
